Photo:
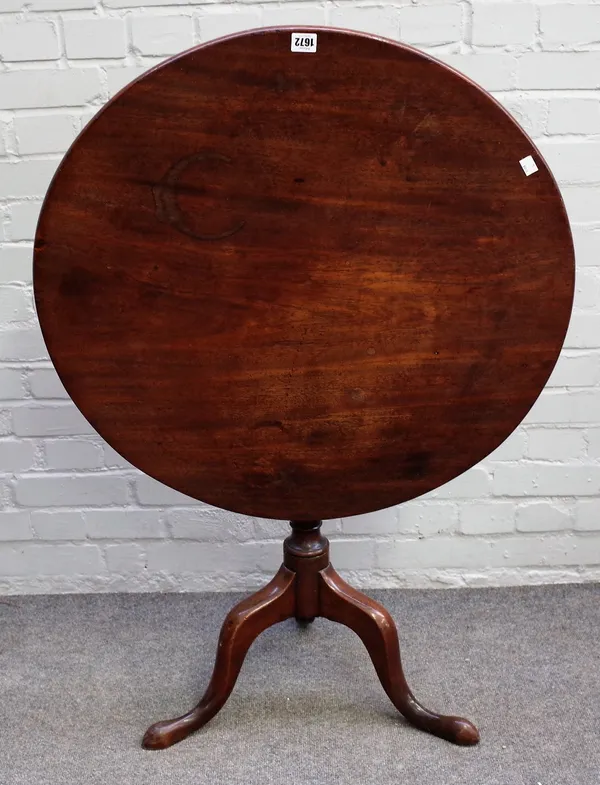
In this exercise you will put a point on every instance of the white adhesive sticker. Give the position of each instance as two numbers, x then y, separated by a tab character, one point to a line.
304	42
528	165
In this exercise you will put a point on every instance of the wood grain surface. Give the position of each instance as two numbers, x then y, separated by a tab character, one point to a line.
303	285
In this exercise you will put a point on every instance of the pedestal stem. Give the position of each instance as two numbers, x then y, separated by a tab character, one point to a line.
306	552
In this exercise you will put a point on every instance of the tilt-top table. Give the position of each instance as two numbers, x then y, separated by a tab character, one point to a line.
306	285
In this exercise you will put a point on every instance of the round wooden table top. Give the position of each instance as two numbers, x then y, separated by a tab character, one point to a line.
301	284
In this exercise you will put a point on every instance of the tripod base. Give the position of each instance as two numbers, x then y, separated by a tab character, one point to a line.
305	587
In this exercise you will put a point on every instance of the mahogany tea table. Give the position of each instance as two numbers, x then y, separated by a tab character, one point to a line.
304	273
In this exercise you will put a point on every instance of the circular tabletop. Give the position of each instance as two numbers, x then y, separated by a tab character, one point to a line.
303	284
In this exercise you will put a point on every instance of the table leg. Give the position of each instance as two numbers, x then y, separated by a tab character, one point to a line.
244	623
373	624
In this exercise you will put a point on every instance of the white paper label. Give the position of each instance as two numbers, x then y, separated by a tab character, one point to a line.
304	42
528	165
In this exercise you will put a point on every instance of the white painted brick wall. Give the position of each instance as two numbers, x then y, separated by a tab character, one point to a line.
573	115
26	177
583	205
543	517
502	24
39	88
95	38
272	14
556	444
162	35
57	5
559	70
21	41
15	264
66	454
419	26
22	219
44	133
75	516
569	26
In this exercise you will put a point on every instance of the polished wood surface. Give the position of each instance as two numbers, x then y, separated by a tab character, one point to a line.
243	624
303	285
307	586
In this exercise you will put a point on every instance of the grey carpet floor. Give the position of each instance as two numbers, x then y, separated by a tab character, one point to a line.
81	677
